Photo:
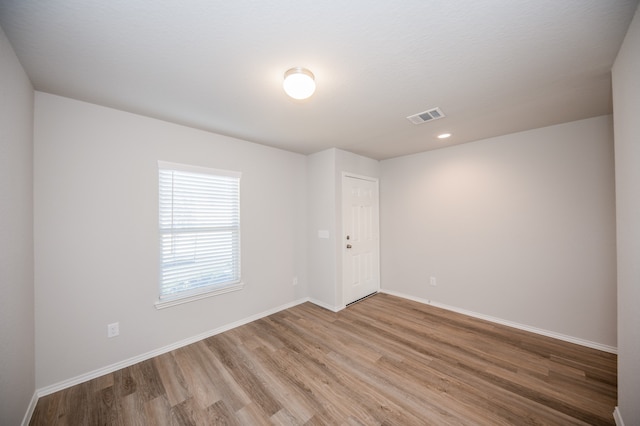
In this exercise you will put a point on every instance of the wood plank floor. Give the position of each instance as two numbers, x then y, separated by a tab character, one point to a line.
382	361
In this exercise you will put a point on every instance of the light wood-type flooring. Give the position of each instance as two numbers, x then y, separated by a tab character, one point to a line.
382	361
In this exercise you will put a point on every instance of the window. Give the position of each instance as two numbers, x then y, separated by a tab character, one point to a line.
199	222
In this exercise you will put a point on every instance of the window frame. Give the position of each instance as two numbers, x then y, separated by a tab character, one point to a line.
196	293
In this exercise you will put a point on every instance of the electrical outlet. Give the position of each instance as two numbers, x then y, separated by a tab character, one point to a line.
432	281
295	280
113	329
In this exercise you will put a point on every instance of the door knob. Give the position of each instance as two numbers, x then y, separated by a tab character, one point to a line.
348	245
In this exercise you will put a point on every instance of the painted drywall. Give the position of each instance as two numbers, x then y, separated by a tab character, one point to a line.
626	109
519	228
96	245
322	228
324	174
17	363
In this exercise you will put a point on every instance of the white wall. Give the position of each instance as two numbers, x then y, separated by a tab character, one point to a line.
17	363
321	218
519	228
626	109
325	170
96	245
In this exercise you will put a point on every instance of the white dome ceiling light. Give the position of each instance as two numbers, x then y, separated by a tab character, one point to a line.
299	83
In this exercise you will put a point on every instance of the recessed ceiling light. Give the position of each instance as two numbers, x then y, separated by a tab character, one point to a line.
299	83
444	135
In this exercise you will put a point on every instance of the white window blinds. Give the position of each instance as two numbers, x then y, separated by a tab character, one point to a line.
199	220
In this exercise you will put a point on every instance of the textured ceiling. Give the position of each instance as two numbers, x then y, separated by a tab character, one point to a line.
493	67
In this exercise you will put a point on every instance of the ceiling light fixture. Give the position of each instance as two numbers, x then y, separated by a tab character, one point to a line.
299	83
444	135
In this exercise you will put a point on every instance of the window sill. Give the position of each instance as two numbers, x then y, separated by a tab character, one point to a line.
162	304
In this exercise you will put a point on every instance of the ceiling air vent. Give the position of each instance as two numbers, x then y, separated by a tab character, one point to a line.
423	117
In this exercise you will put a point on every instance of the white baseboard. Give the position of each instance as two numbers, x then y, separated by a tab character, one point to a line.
30	409
570	339
617	417
145	356
325	305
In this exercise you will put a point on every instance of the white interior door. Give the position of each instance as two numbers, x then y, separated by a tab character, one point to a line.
361	238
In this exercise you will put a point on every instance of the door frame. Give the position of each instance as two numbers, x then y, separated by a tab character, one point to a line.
341	239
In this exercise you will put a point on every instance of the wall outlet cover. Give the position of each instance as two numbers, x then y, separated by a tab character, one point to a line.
113	329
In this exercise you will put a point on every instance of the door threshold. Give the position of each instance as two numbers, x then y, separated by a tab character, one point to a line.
362	298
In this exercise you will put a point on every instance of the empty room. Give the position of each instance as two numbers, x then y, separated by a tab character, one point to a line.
319	213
